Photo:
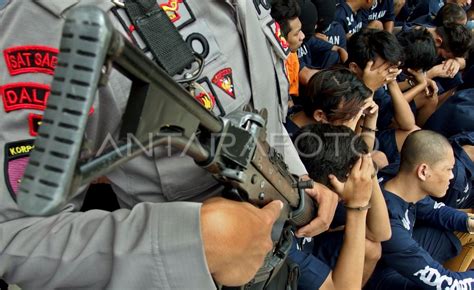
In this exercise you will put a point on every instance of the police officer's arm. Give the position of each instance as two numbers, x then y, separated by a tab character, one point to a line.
236	238
152	246
408	258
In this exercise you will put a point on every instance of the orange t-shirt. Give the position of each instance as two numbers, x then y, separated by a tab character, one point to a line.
293	69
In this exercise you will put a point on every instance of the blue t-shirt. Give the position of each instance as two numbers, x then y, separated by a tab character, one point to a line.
426	7
454	116
404	255
317	53
350	21
381	10
313	271
336	34
460	193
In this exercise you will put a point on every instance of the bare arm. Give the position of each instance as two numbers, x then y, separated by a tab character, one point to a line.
347	273
402	112
378	223
342	53
388	26
305	75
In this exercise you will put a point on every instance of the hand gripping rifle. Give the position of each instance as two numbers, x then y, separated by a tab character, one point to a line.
239	156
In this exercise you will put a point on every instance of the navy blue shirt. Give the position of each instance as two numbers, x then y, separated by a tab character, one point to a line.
426	7
336	34
379	11
403	254
455	115
460	193
317	53
350	21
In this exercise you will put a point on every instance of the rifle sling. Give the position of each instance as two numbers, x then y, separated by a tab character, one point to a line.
162	38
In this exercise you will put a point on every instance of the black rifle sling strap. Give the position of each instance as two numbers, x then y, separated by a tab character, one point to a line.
162	38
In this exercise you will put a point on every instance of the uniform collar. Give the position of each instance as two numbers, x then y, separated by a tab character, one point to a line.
56	7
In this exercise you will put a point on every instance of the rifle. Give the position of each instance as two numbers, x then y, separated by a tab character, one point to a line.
232	148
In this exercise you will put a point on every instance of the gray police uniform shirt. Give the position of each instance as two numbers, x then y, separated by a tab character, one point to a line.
146	245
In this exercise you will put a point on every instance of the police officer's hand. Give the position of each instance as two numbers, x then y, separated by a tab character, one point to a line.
236	237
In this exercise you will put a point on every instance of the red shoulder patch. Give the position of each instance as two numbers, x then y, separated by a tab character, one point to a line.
223	79
19	96
34	121
31	59
178	12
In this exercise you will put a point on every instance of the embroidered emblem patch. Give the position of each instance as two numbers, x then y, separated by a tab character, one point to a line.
205	85
34	122
16	158
223	79
31	59
281	40
207	100
179	12
19	96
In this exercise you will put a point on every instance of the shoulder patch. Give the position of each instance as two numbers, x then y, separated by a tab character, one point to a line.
31	59
178	12
16	158
19	96
223	79
34	122
281	40
206	95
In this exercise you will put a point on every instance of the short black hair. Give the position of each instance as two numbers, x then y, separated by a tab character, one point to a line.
450	13
308	17
337	92
327	149
326	13
457	39
367	44
422	146
283	11
419	48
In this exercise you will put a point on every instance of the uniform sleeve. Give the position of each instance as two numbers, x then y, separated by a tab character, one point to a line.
340	17
440	215
364	16
404	255
141	248
390	14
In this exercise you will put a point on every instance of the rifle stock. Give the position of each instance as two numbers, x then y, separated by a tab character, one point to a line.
89	47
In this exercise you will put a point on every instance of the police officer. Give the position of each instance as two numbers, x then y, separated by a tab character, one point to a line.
148	244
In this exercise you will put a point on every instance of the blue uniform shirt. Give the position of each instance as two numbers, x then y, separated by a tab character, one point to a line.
455	115
381	10
426	7
317	53
336	34
460	193
404	255
350	21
